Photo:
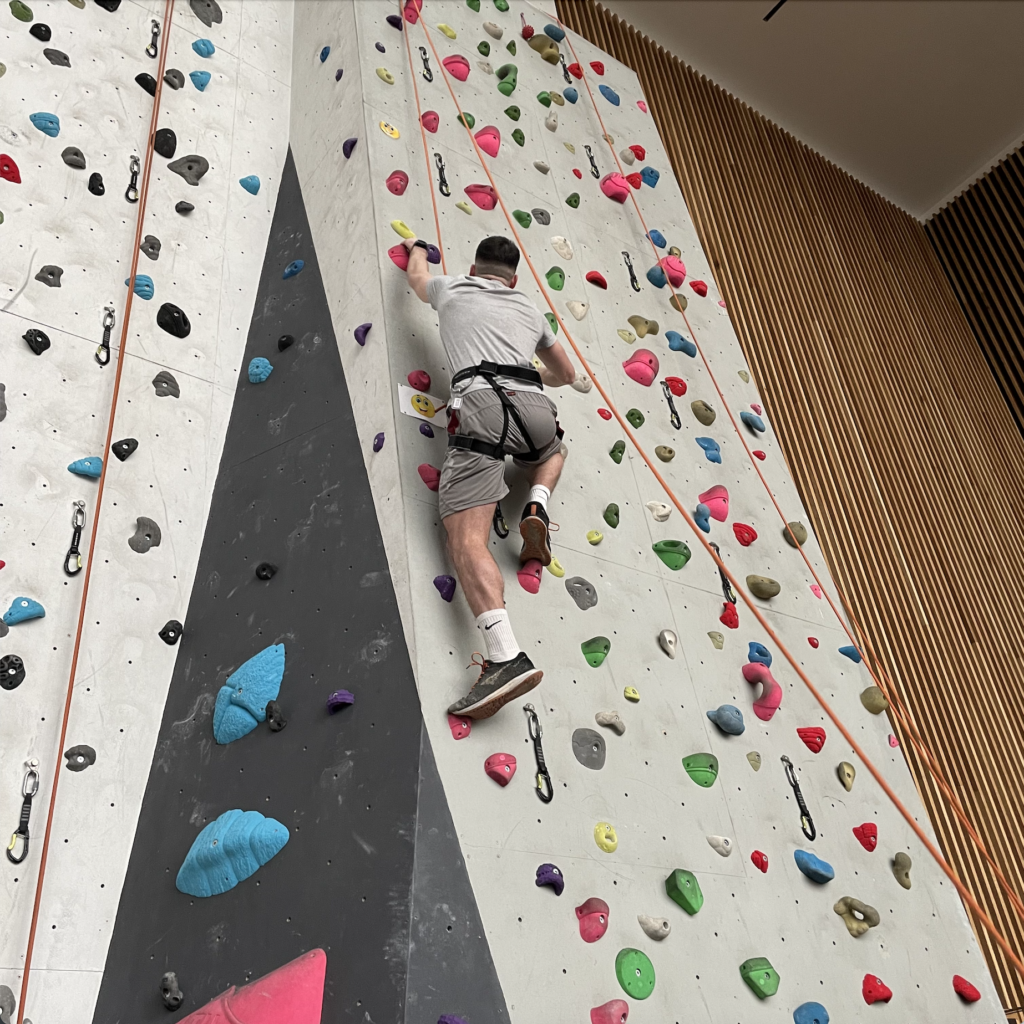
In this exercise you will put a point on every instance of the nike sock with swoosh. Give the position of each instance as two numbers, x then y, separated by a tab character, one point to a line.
498	635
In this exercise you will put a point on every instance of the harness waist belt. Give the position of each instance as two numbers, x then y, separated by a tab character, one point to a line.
486	369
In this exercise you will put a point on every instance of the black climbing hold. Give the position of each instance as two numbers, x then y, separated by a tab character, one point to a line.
58	58
147	81
122	449
275	717
50	275
183	207
285	341
207	11
151	247
171	633
165	385
109	5
96	186
265	571
41	32
173	320
37	341
74	157
79	757
191	167
165	142
171	995
174	78
12	672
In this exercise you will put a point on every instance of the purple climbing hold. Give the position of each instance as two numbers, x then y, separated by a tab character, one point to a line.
445	587
548	874
394	21
338	700
380	47
426	430
338	74
361	332
347	146
378	442
451	1018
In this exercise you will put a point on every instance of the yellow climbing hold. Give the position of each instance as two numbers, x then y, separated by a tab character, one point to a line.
594	536
389	129
385	76
744	376
755	760
627	336
401	228
555	567
423	405
465	208
446	29
632	694
717	639
569	146
605	837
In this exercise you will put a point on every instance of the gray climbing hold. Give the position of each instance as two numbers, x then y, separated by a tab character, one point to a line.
79	757
582	592
58	58
96	186
610	720
207	11
182	207
541	216
170	993
165	142
242	700
151	247
797	530
3	402
669	642
275	716
259	370
729	719
146	536
656	928
588	748
50	275
7	1004
191	167
174	78
166	385
74	157
901	865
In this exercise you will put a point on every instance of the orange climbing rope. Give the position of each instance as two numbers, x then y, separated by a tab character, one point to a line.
965	893
143	196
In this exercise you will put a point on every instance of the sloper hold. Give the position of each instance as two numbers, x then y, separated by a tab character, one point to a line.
207	11
22	609
702	768
122	449
146	536
457	66
50	275
847	773
634	971
874	990
174	78
762	979
482	196
445	586
852	653
191	167
656	928
614	186
588	748
669	642
173	320
48	124
965	990
347	146
816	869
501	768
763	587
79	757
242	700
642	366
722	845
204	47
171	632
874	700
683	888
729	719
810	1013
901	865
73	157
797	531
251	184
144	287
550	875
583	592
609	94
596	650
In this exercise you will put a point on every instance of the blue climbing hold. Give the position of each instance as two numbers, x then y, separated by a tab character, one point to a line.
143	285
753	421
810	1013
609	94
259	370
657	238
711	449
729	719
678	343
204	47
816	869
48	124
250	183
91	467
650	176
347	146
554	32
852	653
324	54
702	517
242	700
293	268
22	609
758	652
200	79
656	275
571	94
229	850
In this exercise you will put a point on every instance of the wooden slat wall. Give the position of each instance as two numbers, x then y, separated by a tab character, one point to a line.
905	454
980	240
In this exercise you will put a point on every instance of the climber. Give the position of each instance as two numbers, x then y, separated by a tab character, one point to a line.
490	334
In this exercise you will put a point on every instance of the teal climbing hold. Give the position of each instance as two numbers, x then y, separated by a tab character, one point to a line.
816	869
759	974
552	322
635	418
678	343
91	467
758	652
635	973
753	421
702	517
324	54
657	238
205	48
242	700
22	609
143	286
555	32
571	94
609	94
650	176
852	653
674	553
251	183
656	275
200	79
259	370
596	650
810	1013
48	124
711	449
729	719
229	850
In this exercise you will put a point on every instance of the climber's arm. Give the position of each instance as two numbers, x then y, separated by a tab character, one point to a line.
558	370
418	271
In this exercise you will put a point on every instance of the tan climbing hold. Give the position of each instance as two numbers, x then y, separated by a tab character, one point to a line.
610	139
678	303
610	720
704	413
541	166
583	384
643	326
847	773
874	700
717	639
665	453
755	760
744	376
797	530
858	917
557	98
901	869
763	587
577	308
627	336
659	510
545	46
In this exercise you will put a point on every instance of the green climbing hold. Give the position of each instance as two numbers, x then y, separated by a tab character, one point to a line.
21	11
484	48
635	973
502	5
507	75
556	278
674	553
618	450
544	98
524	219
684	889
702	768
596	650
511	47
574	200
514	112
518	137
473	5
611	515
762	978
552	322
467	119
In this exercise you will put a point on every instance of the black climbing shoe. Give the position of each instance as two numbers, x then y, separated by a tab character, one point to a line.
499	682
533	525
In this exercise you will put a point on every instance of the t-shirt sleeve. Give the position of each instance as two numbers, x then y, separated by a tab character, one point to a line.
437	289
547	337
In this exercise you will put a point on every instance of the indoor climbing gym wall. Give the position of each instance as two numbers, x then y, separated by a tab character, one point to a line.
224	752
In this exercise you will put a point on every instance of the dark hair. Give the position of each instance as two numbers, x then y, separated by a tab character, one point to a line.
497	256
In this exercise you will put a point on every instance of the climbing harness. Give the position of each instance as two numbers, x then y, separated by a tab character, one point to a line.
674	415
427	73
29	788
632	272
151	50
131	193
806	825
442	182
103	352
727	592
73	559
565	70
500	526
593	163
545	791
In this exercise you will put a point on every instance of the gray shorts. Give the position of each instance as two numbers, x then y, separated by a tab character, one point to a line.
469	479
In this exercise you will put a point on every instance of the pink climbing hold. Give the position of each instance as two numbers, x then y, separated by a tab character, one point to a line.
460	726
893	742
614	187
699	287
483	196
813	641
760	861
412	10
717	500
642	105
529	576
759	455
457	66
965	990
771	693
430	120
635	179
813	737
419	379
398	182
875	990
593	918
429	475
756	408
595	277
867	835
604	414
639	152
293	993
399	256
816	590
575	70
614	1012
642	366
676	385
489	140
598	67
675	270
501	768
746	535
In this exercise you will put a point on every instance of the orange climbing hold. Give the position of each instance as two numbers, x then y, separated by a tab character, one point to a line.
457	66
429	475
699	287
813	737
867	835
717	500
483	196
746	535
676	385
595	277
760	861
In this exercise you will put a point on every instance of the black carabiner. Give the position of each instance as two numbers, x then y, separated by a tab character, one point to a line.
673	413
427	73
29	788
73	557
565	70
806	824
545	791
151	50
131	193
593	164
727	591
632	272
103	352
442	182
500	526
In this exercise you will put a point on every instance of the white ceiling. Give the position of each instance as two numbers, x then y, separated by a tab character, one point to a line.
915	98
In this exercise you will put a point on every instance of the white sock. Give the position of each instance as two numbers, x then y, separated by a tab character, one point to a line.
540	495
498	635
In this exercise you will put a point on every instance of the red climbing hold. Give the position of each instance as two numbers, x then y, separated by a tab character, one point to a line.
430	476
599	70
489	140
398	182
867	835
813	641
642	366
771	693
699	287
593	919
483	196
457	66
575	70
759	455
614	1012
614	187
729	618
875	990
293	993
577	172
965	990
501	768
717	500
399	256
760	861
529	576
814	738
675	270
639	152
459	726
527	29
595	277
604	414
634	179
430	120
9	169
746	535
419	379
676	385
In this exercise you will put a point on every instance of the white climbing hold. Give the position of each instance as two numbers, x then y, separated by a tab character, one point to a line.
541	166
659	510
627	157
577	308
551	122
610	720
562	246
669	642
722	845
494	31
583	384
627	336
656	928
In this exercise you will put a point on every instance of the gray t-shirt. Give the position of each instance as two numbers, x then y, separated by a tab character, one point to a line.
484	320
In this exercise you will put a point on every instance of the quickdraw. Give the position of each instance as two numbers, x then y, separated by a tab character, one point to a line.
673	412
500	526
131	193
29	788
151	50
632	272
103	352
593	163
565	70
442	182
806	825
427	73
727	591
545	791
74	557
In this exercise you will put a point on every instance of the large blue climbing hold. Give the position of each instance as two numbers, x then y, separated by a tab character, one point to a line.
571	94
649	176
200	79
758	652
229	850
242	700
143	286
711	449
729	719
251	183
48	124
657	238
259	370
851	652
22	609
816	869
678	343
324	54
554	32
656	275
753	421
91	467
204	47
609	94
702	517
293	268
810	1013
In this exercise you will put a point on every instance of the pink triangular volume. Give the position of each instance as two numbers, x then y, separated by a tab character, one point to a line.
293	994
